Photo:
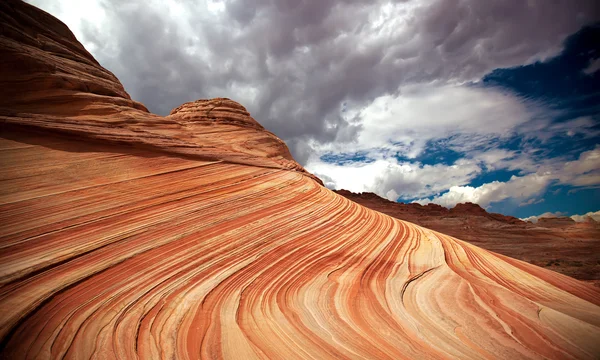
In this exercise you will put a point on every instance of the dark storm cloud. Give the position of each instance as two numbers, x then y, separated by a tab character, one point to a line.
293	63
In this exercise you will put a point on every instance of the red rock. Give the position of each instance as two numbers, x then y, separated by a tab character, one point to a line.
560	245
468	209
129	235
61	89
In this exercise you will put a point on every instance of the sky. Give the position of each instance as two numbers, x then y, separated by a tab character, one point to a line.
495	102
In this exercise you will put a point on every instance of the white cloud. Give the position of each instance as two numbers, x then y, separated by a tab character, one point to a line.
581	218
541	128
74	13
404	123
292	64
522	187
595	215
531	201
327	181
403	70
534	219
392	195
496	159
582	172
392	179
592	67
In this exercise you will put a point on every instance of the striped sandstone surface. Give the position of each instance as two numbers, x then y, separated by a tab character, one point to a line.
558	244
128	235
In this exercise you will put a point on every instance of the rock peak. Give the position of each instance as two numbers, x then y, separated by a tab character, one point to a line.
215	111
468	208
50	83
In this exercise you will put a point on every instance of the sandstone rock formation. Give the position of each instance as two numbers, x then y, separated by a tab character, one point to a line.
558	244
129	235
52	84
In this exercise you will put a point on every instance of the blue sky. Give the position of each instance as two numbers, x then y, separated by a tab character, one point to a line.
445	101
563	85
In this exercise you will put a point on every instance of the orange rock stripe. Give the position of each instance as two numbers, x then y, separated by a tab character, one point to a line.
238	261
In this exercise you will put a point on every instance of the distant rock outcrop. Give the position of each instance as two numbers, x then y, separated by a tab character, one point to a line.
556	222
414	211
127	235
468	208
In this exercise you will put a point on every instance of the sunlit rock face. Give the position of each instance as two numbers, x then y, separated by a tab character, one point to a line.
129	235
558	244
51	83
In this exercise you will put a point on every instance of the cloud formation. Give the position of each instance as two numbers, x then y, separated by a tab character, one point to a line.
394	179
584	171
518	188
294	64
592	67
534	219
581	218
381	79
595	215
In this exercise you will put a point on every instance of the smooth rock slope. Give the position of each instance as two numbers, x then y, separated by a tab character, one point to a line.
127	235
558	244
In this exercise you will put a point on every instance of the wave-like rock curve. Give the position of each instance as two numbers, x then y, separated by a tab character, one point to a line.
51	84
558	244
127	235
